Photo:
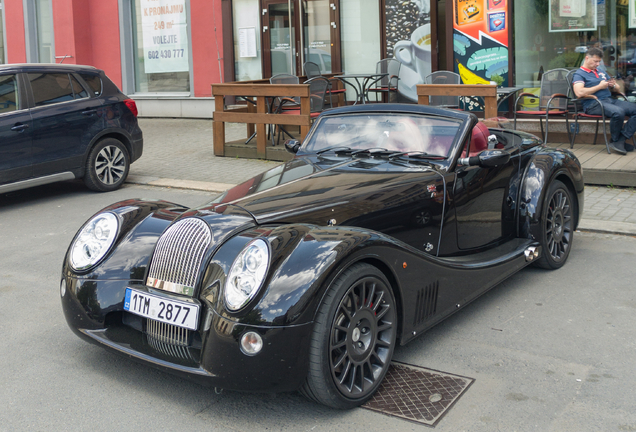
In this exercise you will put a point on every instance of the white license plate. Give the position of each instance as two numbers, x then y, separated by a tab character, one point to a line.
159	308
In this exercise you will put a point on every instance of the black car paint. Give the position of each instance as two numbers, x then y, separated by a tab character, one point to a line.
318	224
58	137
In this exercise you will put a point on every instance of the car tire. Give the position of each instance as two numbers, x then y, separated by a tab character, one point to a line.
107	166
557	227
353	340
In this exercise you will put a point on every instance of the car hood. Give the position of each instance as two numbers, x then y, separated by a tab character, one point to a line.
337	191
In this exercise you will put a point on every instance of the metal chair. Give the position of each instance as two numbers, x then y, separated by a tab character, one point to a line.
387	85
577	104
444	77
280	102
312	70
553	100
317	89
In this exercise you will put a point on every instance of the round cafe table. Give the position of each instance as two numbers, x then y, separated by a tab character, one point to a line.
362	83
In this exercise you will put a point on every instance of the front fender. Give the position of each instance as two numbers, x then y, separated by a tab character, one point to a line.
141	224
546	166
305	258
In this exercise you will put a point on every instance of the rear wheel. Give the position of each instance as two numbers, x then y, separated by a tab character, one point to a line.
107	166
557	227
353	339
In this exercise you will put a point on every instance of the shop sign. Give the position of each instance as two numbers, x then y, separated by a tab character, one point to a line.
480	41
573	15
165	36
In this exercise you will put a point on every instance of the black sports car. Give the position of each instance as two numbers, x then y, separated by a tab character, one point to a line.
388	219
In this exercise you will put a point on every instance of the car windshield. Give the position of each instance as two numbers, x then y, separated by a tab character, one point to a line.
393	132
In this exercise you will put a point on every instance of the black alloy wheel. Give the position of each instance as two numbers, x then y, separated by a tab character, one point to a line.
107	166
353	339
557	227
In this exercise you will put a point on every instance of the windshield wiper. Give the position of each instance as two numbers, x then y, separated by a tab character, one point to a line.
335	149
419	156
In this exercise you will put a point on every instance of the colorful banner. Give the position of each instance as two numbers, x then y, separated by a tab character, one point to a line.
572	15
165	35
480	41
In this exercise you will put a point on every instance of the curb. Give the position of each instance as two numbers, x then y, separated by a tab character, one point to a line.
607	227
180	184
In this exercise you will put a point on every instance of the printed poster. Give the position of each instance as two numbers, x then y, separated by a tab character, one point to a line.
408	39
480	41
573	15
165	36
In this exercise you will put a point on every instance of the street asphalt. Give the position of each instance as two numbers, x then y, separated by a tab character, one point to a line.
178	153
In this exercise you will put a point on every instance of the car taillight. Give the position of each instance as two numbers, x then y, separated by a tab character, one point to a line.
132	106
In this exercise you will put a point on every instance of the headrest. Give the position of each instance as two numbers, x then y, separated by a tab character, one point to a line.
479	139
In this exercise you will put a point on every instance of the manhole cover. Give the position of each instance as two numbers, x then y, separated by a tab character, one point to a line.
417	394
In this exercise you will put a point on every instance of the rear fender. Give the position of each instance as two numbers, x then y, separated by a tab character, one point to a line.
547	166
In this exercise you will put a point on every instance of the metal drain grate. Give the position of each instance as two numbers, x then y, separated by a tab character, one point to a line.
417	394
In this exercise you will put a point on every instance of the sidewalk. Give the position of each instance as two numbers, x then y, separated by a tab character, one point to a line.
178	153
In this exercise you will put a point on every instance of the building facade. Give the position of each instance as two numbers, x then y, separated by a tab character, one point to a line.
167	53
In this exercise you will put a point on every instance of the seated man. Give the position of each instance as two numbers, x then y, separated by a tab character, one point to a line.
588	81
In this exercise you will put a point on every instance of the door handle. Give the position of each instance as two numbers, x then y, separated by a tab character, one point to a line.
19	127
89	112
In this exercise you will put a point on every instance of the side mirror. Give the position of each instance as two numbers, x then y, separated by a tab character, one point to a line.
292	145
487	159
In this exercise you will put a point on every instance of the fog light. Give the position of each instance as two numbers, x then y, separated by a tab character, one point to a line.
251	343
63	287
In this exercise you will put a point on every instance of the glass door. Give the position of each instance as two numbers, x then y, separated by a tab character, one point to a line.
279	38
319	39
318	27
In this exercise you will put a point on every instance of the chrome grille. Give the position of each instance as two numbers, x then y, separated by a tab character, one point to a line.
168	339
177	258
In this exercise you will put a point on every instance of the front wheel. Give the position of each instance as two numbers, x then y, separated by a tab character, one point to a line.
557	227
107	166
353	339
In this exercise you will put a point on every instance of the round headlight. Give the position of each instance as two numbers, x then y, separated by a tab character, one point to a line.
246	274
94	241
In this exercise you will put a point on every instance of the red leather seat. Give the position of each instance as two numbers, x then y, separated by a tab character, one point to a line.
479	139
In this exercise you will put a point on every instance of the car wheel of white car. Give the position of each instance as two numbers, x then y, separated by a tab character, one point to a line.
107	166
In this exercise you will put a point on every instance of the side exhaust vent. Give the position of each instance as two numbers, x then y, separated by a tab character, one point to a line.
426	303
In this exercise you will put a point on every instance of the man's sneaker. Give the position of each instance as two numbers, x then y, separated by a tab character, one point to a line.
629	147
619	146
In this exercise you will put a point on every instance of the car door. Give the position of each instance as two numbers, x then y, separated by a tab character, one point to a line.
15	131
483	210
65	119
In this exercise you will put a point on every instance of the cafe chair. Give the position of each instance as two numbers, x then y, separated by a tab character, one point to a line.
406	92
443	77
312	70
317	91
387	86
553	101
290	103
577	106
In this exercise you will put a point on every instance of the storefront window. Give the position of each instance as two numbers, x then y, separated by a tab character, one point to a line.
161	46
360	35
247	40
44	25
2	48
556	34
